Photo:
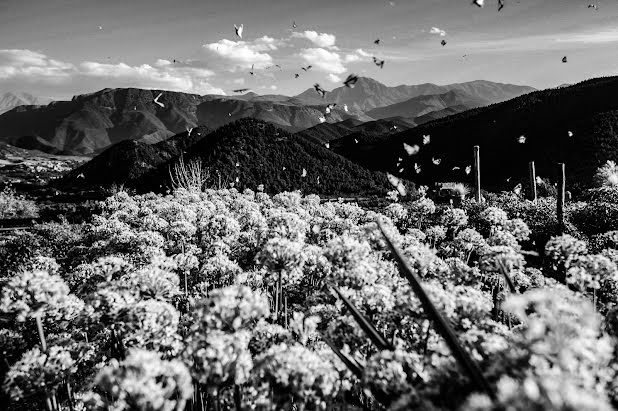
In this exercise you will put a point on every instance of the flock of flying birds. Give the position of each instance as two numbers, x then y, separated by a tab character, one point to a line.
350	82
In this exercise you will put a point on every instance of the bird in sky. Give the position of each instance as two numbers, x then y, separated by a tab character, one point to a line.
100	27
376	41
411	149
436	161
564	59
189	130
479	3
590	6
397	183
378	62
296	75
456	168
238	30
156	100
443	42
468	169
351	80
294	24
329	107
426	139
355	141
570	133
327	145
307	68
345	108
251	72
521	139
319	90
304	173
500	5
322	119
417	168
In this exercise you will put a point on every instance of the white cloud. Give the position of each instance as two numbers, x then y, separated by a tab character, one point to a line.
319	39
356	56
436	30
239	81
33	67
273	87
605	36
334	78
244	54
323	60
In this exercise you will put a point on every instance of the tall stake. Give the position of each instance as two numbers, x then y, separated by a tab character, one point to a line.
561	195
532	170
477	173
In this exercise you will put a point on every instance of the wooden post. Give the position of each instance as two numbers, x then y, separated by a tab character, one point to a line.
561	195
532	170
477	173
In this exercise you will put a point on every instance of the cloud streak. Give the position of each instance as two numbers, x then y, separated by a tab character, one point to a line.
37	68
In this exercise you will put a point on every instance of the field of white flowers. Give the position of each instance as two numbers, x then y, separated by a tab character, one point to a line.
222	300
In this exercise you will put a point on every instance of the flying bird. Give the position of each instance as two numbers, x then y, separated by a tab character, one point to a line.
378	62
468	169
296	75
500	5
456	168
351	80
590	6
564	59
345	108
397	183
304	173
327	145
189	130
319	90
322	119
330	107
443	42
426	139
278	66
240	90
251	72
436	161
355	141
417	168
294	24
411	149
101	27
521	139
156	100
307	68
479	3
376	41
238	30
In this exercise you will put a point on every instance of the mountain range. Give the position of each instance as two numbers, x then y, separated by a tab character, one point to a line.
576	125
10	100
243	154
90	123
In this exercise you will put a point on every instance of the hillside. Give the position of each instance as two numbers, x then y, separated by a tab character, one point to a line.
271	156
285	114
327	132
426	104
369	94
92	122
125	162
589	110
9	101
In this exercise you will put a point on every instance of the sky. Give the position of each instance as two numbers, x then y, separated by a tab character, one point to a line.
60	48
